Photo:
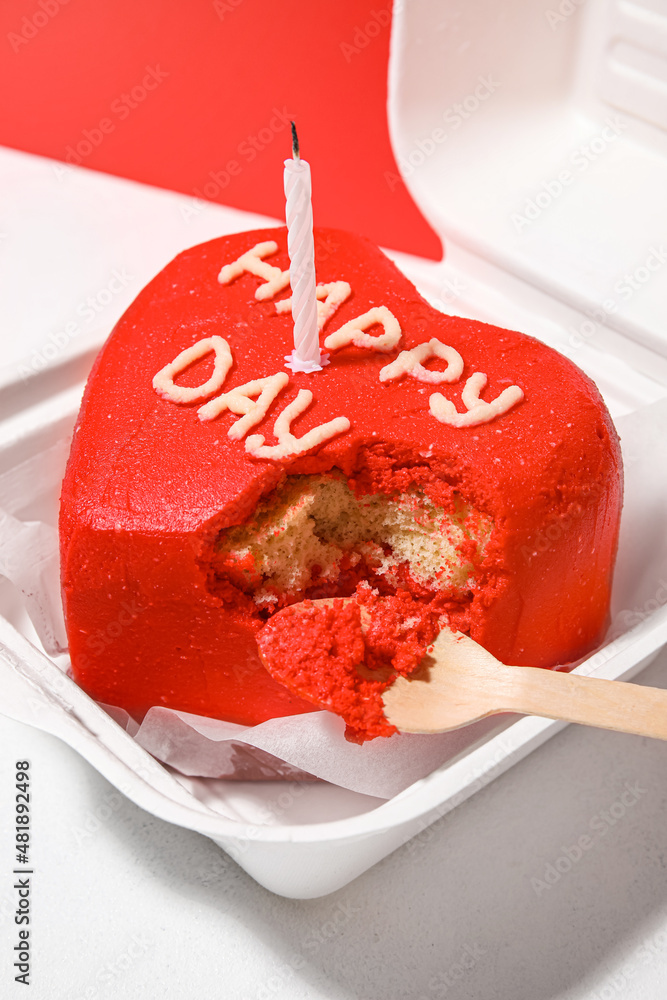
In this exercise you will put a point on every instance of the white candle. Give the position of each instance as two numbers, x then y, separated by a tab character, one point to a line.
306	356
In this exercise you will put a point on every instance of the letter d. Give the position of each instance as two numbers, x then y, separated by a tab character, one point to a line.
360	39
551	875
532	211
28	29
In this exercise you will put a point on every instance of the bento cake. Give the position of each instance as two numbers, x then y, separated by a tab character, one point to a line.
449	462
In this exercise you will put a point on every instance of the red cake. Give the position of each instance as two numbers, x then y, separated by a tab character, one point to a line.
469	471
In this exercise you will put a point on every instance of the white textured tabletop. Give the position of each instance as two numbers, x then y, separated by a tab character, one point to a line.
497	899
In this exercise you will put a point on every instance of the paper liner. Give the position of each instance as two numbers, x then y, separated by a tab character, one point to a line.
29	549
308	747
29	560
312	745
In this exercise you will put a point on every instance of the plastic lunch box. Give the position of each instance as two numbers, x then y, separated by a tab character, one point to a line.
531	134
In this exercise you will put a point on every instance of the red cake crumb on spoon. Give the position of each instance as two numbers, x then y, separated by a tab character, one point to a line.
343	654
323	653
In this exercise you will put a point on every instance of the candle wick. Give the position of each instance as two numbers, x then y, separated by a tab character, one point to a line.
295	143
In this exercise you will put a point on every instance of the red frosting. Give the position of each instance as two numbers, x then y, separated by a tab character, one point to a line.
149	486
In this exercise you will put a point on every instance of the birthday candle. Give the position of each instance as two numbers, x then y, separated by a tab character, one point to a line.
306	356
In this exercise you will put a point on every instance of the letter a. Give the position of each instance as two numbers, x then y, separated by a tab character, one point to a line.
239	401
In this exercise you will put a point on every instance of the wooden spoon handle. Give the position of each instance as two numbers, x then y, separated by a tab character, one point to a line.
590	701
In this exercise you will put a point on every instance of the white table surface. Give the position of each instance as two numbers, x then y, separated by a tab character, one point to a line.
125	905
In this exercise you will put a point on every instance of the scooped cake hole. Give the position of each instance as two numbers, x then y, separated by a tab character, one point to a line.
317	538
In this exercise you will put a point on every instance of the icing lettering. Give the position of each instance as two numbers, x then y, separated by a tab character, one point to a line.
412	363
353	332
478	411
239	401
288	444
163	383
330	298
251	402
253	262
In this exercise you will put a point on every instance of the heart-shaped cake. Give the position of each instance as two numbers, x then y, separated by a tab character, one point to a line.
471	470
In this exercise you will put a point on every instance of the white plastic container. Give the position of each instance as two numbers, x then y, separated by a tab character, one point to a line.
556	84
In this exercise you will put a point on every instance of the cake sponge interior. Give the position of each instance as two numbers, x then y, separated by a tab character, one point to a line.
317	537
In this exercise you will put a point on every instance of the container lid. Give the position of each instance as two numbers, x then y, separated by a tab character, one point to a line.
533	135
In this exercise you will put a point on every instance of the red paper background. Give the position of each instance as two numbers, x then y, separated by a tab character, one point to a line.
171	92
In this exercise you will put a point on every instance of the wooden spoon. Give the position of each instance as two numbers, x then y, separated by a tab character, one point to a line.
459	682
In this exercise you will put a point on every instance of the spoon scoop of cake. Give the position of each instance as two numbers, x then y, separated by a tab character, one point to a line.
317	650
